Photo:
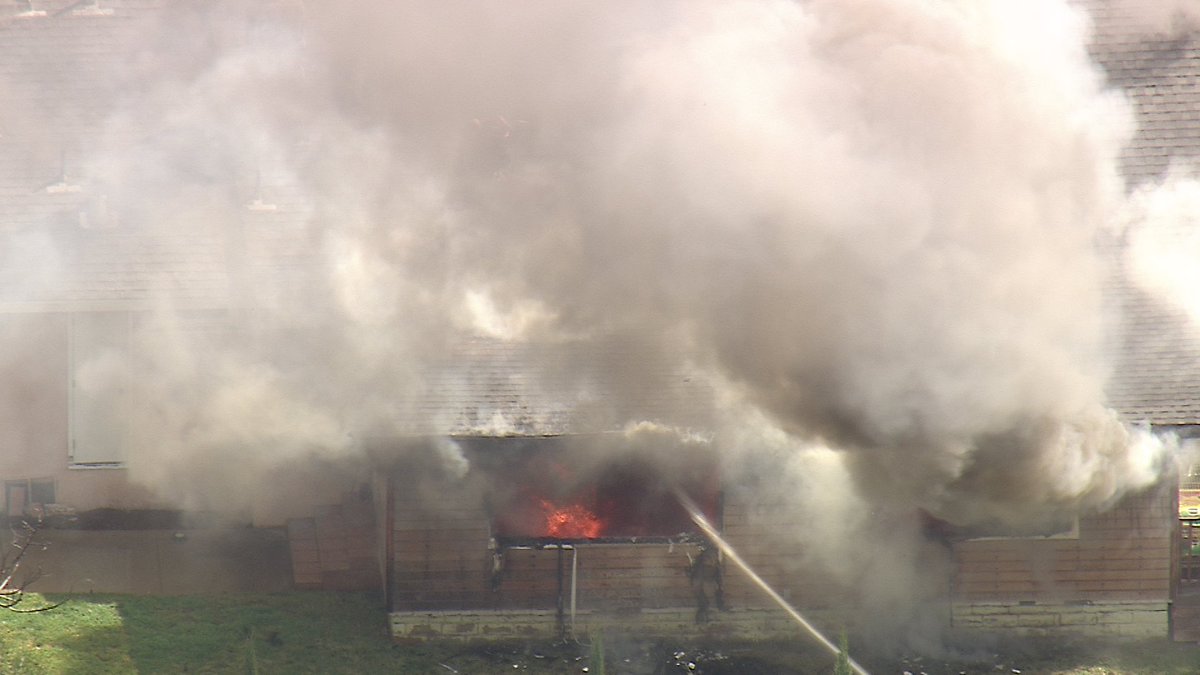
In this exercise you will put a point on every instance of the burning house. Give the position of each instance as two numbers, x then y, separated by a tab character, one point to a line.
466	330
538	517
1123	570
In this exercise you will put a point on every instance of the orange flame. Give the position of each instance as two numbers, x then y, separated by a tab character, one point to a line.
571	522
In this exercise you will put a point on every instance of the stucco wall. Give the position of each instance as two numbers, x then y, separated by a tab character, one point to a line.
33	400
34	437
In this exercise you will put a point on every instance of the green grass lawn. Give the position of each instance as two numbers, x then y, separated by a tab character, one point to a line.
309	632
284	633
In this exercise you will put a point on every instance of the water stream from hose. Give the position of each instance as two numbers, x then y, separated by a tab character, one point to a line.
715	537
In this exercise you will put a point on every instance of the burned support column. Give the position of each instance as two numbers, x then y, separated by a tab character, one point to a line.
389	543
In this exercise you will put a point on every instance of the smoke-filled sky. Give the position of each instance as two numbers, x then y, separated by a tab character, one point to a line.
872	223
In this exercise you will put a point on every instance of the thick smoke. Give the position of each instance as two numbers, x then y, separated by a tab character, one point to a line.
872	223
1166	17
1160	223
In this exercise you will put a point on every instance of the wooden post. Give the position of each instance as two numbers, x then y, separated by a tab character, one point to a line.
389	539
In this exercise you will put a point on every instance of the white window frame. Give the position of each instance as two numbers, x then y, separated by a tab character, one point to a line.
77	401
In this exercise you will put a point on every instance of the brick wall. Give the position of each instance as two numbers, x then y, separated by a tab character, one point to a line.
637	576
759	532
446	564
608	576
450	579
336	548
440	537
444	558
1115	576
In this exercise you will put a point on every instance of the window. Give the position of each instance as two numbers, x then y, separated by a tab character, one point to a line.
1189	492
1060	528
98	387
544	490
21	495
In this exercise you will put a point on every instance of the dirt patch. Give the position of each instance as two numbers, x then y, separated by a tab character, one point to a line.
632	657
664	657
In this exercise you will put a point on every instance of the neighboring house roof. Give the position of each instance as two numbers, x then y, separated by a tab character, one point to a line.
1154	58
65	244
118	269
59	68
61	74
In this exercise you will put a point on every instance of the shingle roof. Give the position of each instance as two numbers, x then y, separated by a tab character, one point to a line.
124	267
61	68
57	78
65	68
1157	365
60	72
1156	375
1159	68
491	387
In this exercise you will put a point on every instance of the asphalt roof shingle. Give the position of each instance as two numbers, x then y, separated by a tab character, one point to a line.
490	387
1156	370
1158	67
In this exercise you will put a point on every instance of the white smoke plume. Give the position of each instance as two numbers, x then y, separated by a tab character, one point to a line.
873	222
1167	17
1162	222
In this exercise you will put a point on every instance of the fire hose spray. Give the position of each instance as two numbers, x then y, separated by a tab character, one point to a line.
711	532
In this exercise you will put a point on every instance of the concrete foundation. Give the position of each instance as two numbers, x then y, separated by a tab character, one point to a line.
1123	619
498	625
